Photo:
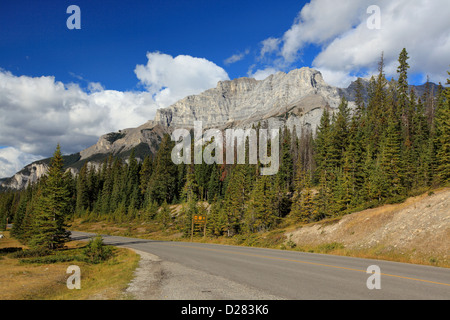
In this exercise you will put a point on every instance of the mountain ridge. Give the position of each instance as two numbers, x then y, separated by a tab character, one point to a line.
295	100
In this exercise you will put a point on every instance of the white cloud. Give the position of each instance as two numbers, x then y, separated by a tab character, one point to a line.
262	74
36	113
348	46
269	45
171	79
318	22
236	57
95	87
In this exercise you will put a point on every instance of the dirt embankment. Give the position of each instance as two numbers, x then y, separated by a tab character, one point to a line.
418	228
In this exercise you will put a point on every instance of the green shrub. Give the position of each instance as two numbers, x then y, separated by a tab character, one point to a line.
31	253
328	247
96	251
7	250
52	259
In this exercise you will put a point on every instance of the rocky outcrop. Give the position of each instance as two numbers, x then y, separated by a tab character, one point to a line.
148	135
298	97
296	100
28	175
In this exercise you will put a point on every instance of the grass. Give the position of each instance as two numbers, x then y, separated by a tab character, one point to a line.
45	277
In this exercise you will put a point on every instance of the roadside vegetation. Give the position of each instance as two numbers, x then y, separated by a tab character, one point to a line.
30	274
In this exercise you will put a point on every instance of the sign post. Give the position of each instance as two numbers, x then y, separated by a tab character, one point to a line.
198	220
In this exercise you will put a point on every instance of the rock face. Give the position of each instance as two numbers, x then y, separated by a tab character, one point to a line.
297	97
30	174
146	136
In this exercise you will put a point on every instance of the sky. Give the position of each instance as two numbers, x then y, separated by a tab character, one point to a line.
129	58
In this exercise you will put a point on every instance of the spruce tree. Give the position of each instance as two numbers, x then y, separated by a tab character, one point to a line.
442	139
163	182
164	215
391	161
261	214
50	228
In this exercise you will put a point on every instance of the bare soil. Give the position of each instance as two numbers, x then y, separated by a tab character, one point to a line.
417	231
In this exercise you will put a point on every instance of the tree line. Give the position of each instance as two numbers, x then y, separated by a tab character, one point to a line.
392	145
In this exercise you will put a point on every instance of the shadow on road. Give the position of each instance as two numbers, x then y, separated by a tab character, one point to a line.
121	242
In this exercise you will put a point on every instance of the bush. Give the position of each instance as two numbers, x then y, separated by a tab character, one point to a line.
328	247
96	251
51	259
31	253
7	250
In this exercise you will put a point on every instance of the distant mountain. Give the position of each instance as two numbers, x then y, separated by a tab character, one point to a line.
295	100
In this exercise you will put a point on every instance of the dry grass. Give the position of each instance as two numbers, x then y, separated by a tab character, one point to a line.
107	280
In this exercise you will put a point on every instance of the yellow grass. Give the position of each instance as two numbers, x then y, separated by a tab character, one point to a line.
107	280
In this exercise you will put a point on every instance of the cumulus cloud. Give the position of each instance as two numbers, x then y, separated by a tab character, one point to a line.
36	113
39	112
170	79
349	47
262	74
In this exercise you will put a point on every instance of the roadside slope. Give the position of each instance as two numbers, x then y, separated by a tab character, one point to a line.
418	229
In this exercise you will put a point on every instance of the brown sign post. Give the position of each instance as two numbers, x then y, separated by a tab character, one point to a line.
198	220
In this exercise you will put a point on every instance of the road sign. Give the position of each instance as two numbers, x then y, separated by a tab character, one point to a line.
198	220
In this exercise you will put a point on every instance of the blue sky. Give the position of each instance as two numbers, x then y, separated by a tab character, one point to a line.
116	35
132	57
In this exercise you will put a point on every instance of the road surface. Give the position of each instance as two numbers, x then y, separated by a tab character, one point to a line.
296	275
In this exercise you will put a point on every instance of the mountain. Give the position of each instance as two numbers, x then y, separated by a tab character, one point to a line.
295	100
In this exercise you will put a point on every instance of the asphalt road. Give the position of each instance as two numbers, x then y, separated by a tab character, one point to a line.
297	275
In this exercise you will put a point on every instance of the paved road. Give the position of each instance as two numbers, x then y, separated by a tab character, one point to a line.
297	275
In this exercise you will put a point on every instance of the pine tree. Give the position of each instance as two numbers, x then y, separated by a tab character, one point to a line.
214	184
236	196
82	201
339	134
390	161
261	214
53	208
322	144
164	215
145	174
376	108
303	205
18	229
442	139
163	182
403	95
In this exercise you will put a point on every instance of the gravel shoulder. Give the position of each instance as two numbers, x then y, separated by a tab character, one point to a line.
156	279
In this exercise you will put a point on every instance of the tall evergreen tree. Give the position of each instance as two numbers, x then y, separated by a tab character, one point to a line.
443	136
50	227
163	182
261	214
